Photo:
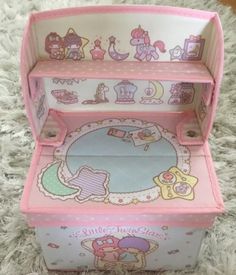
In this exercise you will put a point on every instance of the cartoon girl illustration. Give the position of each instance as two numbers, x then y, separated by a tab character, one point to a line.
73	42
134	251
111	252
100	95
54	45
74	45
105	250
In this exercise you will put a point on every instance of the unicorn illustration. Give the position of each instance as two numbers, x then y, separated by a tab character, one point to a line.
144	49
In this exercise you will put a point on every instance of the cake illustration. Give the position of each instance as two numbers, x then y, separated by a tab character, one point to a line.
125	91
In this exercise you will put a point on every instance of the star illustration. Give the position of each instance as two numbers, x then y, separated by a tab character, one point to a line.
85	41
112	39
92	183
174	183
176	53
97	43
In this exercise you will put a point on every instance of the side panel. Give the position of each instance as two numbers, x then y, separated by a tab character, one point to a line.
127	247
214	60
29	57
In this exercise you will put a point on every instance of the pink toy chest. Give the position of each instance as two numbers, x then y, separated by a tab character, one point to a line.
121	101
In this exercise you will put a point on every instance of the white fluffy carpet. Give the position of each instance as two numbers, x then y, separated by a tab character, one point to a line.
19	252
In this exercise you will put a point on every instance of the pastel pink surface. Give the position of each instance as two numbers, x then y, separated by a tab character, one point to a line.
178	220
56	122
25	68
44	211
174	71
217	72
207	196
123	9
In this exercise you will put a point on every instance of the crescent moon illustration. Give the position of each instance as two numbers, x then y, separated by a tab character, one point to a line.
153	94
159	90
51	184
112	51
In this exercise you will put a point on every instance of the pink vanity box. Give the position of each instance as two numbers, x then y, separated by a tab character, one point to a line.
121	101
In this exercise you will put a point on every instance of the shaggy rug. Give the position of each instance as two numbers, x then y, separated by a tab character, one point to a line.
19	251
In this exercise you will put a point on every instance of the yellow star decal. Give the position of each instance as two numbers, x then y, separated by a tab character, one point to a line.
176	184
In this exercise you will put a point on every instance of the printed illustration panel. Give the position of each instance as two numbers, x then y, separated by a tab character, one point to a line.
120	37
103	162
127	247
104	94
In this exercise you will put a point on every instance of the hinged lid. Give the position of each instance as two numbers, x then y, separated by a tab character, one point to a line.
105	168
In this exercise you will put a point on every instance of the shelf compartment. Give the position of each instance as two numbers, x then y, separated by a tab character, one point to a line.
194	72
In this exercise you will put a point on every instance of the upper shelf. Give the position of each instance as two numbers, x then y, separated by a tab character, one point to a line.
175	71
